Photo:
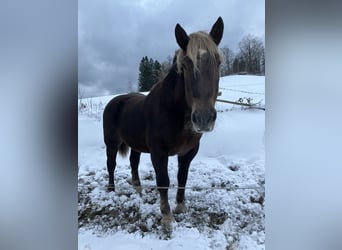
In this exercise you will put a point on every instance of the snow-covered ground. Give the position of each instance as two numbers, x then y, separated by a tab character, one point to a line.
226	183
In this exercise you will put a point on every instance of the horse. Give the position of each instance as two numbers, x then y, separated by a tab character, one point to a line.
171	119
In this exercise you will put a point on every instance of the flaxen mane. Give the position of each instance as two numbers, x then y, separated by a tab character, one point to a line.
199	42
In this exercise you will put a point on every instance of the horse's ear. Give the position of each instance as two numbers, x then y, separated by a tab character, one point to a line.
217	31
181	37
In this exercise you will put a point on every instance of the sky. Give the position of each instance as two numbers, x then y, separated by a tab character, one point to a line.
113	35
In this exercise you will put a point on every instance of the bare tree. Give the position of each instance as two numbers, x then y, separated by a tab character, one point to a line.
131	87
166	66
80	93
262	62
81	105
251	50
227	64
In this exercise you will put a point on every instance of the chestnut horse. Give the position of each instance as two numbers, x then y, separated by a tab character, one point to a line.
170	120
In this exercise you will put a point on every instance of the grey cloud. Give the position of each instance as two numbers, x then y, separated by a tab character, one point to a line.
115	35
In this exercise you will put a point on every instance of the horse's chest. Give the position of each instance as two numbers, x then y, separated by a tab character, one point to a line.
184	142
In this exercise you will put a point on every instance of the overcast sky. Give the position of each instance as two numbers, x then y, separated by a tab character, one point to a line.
113	35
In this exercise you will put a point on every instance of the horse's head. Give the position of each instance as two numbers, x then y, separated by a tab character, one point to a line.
198	61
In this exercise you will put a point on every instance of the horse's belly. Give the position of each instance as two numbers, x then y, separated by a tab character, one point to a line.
135	139
140	147
131	125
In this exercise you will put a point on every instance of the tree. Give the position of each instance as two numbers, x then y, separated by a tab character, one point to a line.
236	65
242	64
145	74
239	64
227	64
166	66
251	49
156	74
262	62
131	87
149	73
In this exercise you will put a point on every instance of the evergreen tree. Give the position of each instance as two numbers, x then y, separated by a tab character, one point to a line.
149	73
151	67
145	74
156	72
242	65
236	68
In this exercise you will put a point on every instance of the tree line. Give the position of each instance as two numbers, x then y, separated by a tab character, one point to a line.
250	59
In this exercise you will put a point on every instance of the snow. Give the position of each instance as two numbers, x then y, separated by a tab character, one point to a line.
125	241
217	218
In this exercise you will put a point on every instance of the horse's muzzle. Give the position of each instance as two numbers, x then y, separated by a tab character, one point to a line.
203	120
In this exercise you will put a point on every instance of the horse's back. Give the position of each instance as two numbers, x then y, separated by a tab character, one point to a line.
116	106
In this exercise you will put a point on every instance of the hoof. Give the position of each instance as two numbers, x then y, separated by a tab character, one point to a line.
137	186
138	189
136	183
167	219
166	224
180	208
111	188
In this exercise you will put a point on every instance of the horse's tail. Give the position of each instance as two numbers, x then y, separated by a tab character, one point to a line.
123	149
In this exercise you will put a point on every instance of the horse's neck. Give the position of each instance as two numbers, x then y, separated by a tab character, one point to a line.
174	86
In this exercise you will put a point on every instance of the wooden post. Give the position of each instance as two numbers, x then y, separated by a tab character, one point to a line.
253	106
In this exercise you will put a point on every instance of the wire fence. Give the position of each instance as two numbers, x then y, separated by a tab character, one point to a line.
194	188
243	91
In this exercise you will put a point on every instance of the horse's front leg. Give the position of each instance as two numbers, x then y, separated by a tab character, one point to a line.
160	161
183	170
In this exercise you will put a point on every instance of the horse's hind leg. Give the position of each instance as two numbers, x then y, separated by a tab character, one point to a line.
111	163
134	159
183	170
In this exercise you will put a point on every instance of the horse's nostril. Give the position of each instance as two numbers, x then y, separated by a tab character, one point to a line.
214	116
195	118
204	118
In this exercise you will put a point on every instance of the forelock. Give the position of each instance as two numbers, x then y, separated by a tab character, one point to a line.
199	43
